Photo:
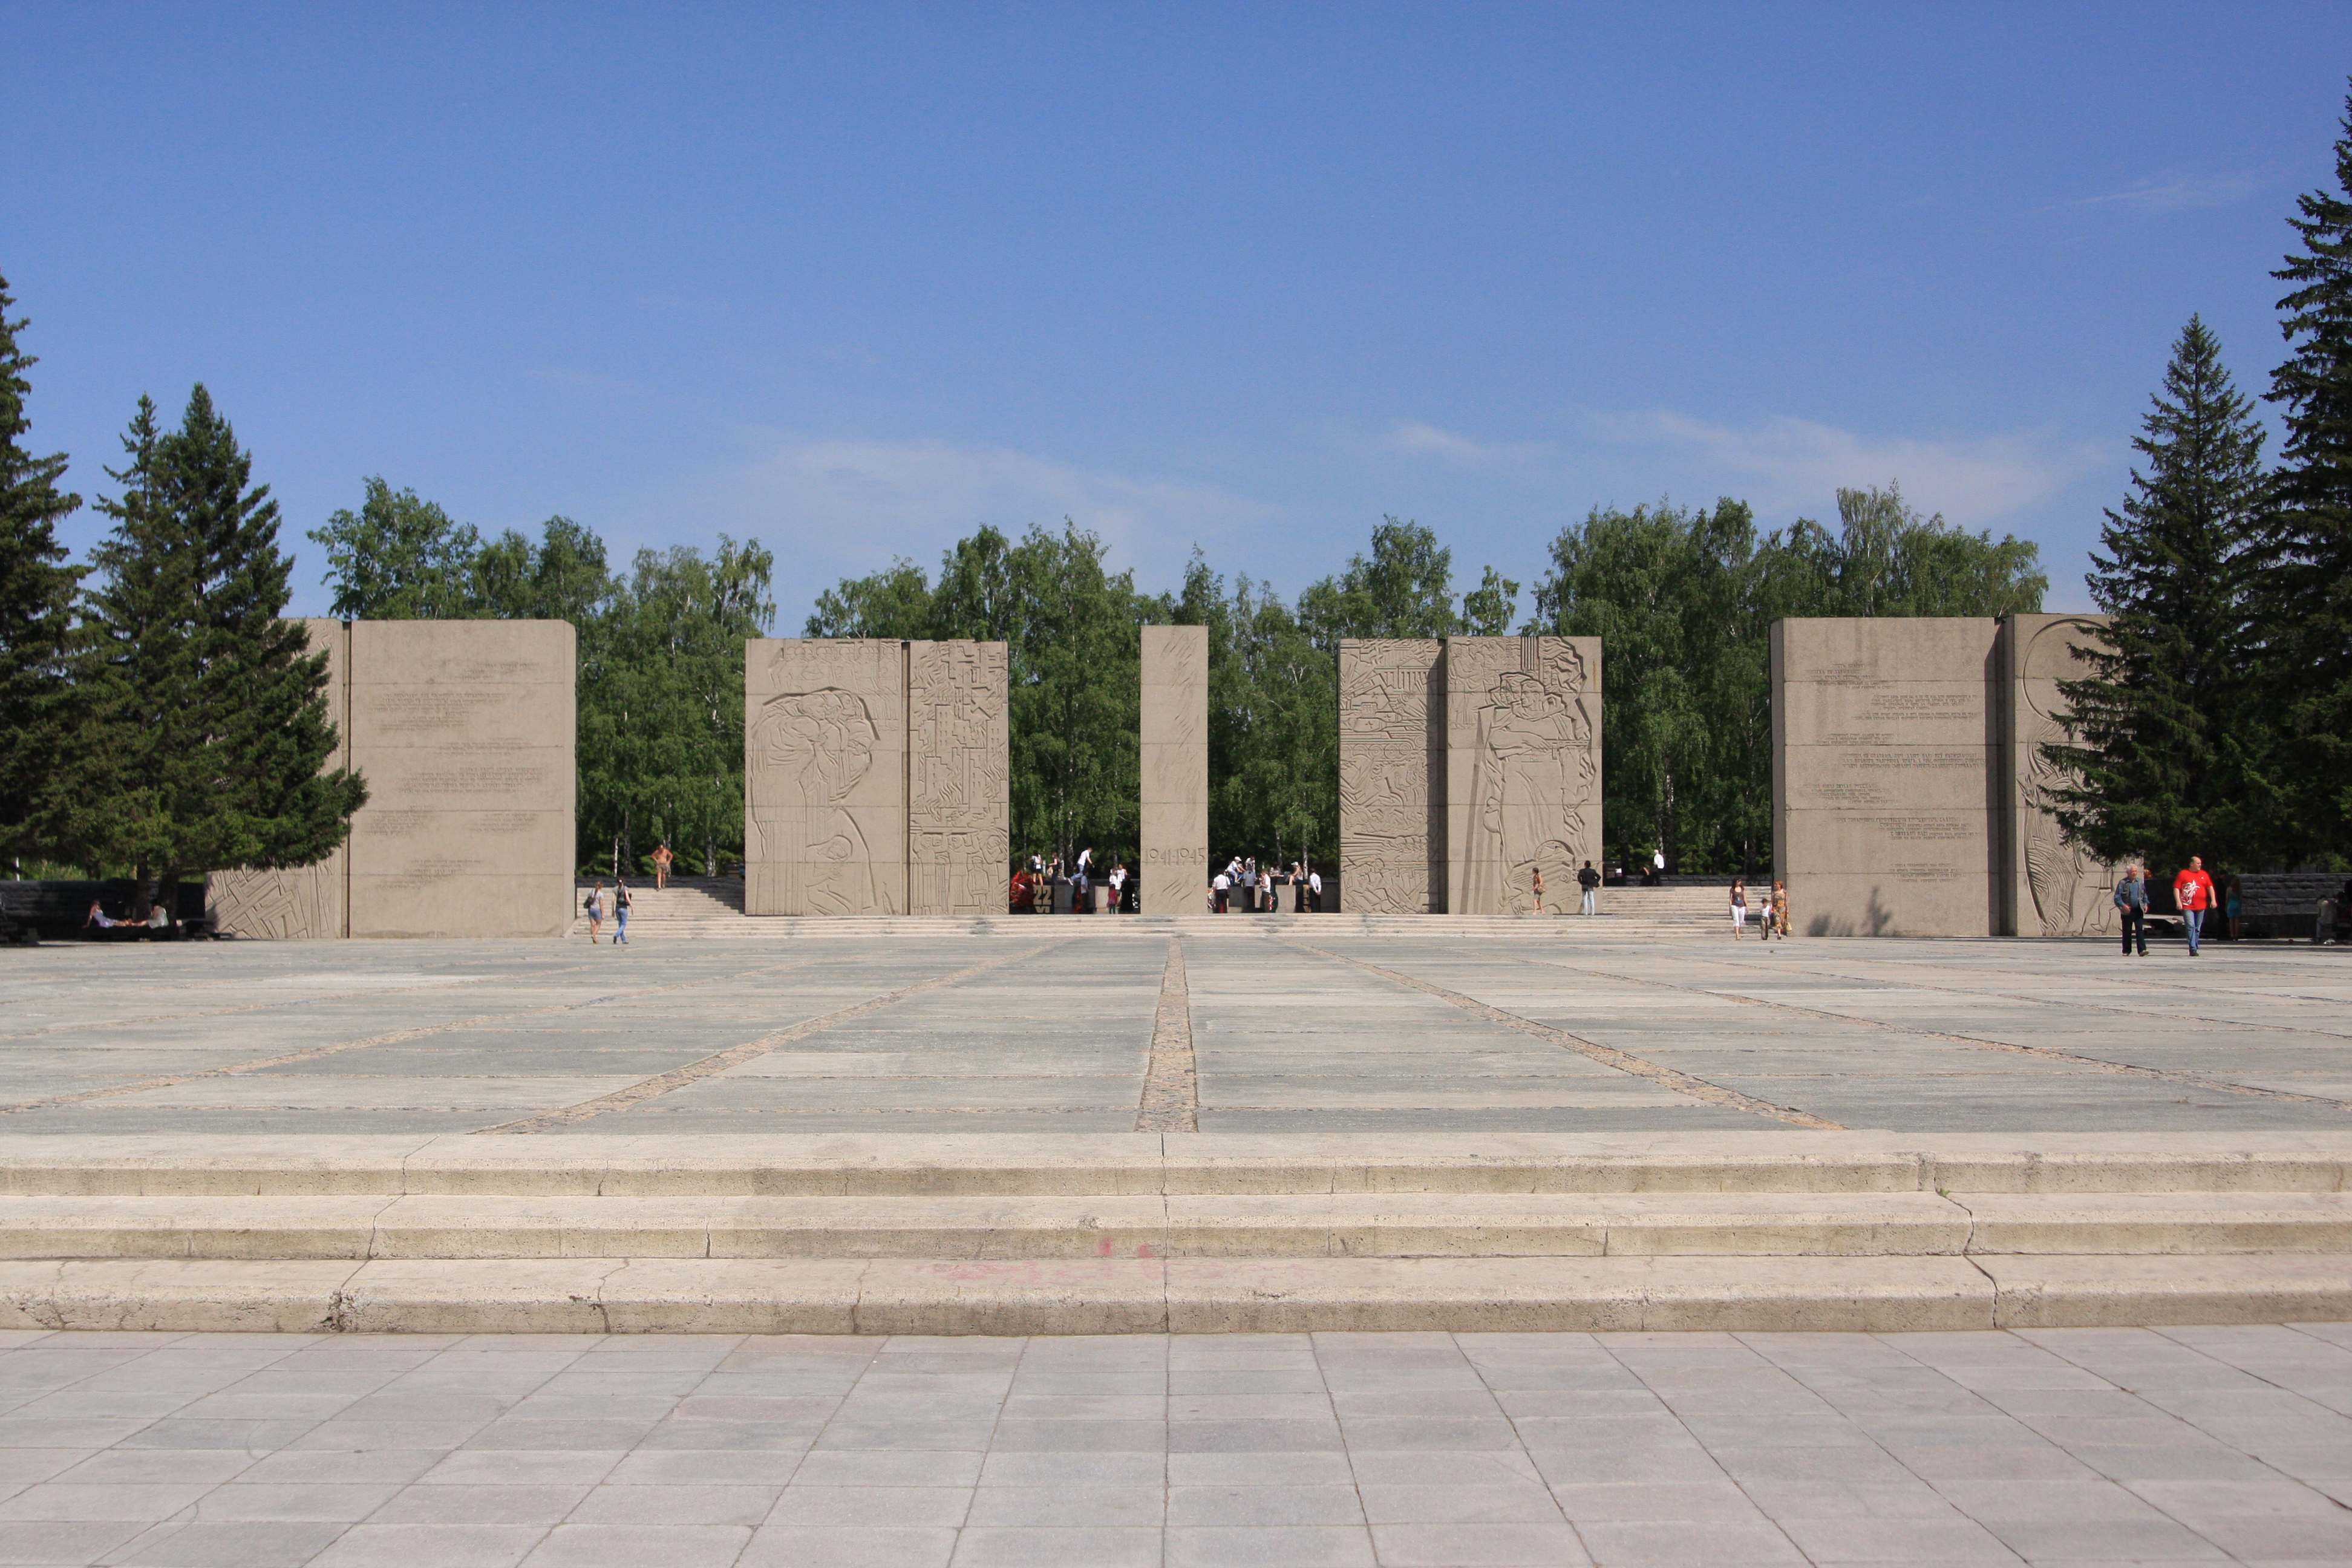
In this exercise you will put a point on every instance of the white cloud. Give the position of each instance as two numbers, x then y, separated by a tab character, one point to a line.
859	501
2177	194
1416	439
1796	464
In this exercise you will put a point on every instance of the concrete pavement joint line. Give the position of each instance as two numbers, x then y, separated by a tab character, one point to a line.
1172	1085
85	1028
2094	1064
1665	1077
750	1050
168	1080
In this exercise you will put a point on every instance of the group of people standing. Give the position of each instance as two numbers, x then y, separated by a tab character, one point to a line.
1261	891
1032	891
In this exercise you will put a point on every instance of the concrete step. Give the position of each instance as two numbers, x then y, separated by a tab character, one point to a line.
1391	1224
698	908
1021	1233
1117	1164
1133	1164
839	1296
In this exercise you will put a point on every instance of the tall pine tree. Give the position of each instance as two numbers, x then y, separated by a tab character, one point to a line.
36	598
2167	751
210	719
2309	601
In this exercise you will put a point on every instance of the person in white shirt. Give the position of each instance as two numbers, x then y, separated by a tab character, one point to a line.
1118	886
1315	892
1220	890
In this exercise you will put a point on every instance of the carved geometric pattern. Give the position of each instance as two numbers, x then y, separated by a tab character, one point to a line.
1387	763
959	791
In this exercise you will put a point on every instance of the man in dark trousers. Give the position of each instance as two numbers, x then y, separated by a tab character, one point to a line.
2131	904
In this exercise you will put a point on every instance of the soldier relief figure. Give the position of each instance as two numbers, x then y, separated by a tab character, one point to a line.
2069	885
820	746
1534	776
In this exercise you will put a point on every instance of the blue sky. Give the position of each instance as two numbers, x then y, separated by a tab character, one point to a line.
855	279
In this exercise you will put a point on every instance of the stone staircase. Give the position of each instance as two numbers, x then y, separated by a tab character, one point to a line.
1183	1233
698	909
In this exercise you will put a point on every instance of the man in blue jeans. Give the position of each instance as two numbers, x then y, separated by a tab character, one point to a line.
2193	891
2131	902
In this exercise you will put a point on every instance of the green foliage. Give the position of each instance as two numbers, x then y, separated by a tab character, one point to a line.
36	603
1073	658
2307	593
1676	597
2169	746
1403	589
398	558
661	701
207	722
1274	710
1683	602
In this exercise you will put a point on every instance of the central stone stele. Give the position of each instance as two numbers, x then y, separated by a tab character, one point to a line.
1465	767
874	777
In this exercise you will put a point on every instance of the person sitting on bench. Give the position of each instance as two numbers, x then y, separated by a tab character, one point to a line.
101	918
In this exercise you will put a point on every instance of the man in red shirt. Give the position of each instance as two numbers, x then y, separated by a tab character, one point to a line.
2193	891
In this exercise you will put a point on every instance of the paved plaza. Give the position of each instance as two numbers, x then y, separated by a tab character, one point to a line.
2069	1446
2066	1445
1287	1029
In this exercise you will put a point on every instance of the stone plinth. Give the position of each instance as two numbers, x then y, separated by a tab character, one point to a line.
824	776
1522	770
1882	788
2048	887
1392	754
959	791
306	902
1175	769
464	731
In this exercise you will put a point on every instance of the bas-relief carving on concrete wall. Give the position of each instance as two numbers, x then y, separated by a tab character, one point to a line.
958	796
2065	890
464	733
1174	757
1390	817
1522	769
824	778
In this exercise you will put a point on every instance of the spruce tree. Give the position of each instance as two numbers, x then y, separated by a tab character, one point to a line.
2308	601
211	719
2167	752
36	600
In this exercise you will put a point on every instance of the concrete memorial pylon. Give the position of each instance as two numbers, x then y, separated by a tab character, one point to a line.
1174	773
2048	887
1464	766
874	777
464	733
824	776
1391	775
1910	797
959	778
1881	781
1522	770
